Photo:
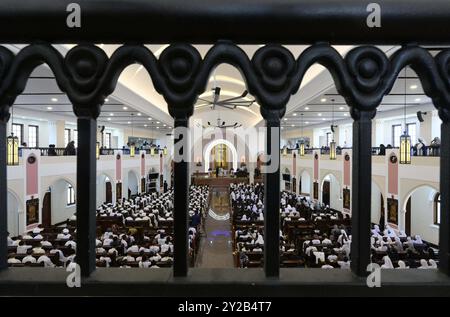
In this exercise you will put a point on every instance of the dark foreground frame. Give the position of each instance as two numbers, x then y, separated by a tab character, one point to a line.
226	283
180	74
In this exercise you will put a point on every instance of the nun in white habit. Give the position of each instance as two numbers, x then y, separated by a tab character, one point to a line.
387	263
402	265
423	265
433	264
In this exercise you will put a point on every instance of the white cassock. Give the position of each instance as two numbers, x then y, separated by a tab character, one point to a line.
28	259
46	260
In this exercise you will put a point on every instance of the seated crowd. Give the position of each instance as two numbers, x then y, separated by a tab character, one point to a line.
135	232
313	235
397	250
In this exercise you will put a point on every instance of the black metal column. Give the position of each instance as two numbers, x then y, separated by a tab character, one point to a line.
361	192
86	194
181	202
444	227
272	200
3	197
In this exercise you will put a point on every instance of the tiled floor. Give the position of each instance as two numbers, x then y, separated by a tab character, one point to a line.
216	248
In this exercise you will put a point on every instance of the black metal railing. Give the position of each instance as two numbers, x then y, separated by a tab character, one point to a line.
48	151
54	151
363	78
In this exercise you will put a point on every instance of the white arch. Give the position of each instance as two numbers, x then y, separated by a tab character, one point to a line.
415	188
305	177
60	211
335	191
101	187
212	144
135	183
421	213
15	209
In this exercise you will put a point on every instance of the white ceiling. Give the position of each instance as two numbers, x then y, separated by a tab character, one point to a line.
135	91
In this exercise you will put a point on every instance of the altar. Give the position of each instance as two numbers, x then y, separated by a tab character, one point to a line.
210	179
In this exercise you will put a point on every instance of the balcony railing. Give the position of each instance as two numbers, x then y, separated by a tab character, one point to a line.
427	151
54	151
363	77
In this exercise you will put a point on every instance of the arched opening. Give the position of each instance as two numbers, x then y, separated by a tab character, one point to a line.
62	201
104	189
286	179
377	207
304	186
15	226
220	153
331	192
133	184
420	213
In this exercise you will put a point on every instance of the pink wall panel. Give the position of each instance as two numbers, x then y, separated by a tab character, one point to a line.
316	169
143	165
346	172
294	165
32	178
393	178
119	169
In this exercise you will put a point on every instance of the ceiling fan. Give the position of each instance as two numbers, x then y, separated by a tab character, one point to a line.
221	124
230	103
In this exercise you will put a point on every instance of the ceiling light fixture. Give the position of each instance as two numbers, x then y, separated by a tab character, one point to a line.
323	99
125	108
54	99
49	108
413	87
306	108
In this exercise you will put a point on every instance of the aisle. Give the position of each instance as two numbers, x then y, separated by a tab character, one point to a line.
216	249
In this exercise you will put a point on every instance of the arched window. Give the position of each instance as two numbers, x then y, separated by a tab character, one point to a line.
437	209
70	195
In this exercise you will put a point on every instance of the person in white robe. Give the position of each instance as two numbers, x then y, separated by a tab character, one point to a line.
387	263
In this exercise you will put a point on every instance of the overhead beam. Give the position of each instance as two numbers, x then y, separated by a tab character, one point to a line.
242	21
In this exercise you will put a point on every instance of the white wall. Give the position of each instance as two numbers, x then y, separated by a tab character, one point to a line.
306	183
335	192
101	189
13	215
435	125
43	129
422	212
132	183
60	210
376	204
345	135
